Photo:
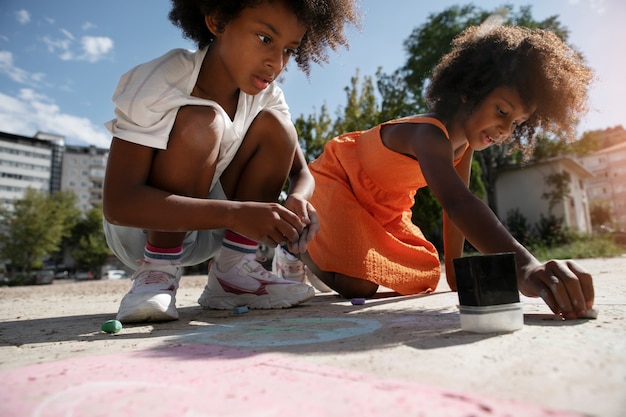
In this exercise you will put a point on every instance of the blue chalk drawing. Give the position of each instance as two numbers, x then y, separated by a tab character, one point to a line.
282	332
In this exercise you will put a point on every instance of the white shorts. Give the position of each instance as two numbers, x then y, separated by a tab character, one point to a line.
128	243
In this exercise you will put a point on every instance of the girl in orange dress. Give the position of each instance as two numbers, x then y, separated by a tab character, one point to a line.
492	87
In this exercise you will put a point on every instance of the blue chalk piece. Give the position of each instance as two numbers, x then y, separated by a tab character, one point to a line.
357	301
240	310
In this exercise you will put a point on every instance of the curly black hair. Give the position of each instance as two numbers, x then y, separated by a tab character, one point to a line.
324	21
548	75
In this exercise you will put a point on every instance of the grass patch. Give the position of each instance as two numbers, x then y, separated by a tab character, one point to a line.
579	248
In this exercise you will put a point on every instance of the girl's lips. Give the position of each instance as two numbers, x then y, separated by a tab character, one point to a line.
260	83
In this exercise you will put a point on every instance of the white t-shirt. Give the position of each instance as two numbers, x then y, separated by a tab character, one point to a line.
147	99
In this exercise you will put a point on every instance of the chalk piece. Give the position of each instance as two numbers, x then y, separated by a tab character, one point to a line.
591	313
357	301
111	326
240	310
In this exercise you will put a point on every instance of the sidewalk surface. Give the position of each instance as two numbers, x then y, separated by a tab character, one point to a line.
391	356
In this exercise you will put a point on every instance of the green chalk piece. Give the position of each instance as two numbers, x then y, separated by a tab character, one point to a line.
111	326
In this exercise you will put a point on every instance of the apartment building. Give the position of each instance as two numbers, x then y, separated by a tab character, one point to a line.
44	162
26	162
608	185
83	172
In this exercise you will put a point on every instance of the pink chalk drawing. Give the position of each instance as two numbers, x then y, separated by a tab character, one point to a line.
194	380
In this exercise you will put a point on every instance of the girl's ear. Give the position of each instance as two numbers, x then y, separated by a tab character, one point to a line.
211	23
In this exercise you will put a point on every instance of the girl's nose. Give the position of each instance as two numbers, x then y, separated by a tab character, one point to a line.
275	60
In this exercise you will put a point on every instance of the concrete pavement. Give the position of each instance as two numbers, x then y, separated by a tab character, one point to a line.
394	355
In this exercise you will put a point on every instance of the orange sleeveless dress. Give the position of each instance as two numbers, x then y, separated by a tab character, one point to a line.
363	196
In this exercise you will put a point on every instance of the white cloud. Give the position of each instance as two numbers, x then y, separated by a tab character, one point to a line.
23	16
32	112
61	47
16	74
92	48
67	34
96	47
88	26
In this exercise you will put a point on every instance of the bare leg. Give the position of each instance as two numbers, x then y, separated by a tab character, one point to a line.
346	286
188	165
260	168
257	173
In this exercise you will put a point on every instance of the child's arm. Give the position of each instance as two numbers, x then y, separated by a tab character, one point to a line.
565	287
301	185
129	200
453	239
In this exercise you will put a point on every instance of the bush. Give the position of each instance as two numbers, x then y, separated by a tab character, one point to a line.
552	232
518	226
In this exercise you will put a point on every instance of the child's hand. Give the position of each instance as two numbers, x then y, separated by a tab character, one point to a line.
308	216
268	223
565	287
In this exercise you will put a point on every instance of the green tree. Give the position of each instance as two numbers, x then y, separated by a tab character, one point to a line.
559	183
33	229
313	132
90	249
362	110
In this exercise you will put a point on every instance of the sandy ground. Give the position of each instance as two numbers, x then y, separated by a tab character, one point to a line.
577	365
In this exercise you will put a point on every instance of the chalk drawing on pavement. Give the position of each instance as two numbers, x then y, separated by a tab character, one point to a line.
281	332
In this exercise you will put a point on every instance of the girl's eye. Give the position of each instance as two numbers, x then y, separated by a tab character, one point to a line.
501	112
264	38
290	52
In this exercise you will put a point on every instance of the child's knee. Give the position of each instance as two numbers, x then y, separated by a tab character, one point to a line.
272	125
193	147
350	287
197	128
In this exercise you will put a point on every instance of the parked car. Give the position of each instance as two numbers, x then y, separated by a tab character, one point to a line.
84	275
37	277
115	274
45	276
62	274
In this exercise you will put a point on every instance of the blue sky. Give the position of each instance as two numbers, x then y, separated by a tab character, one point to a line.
60	60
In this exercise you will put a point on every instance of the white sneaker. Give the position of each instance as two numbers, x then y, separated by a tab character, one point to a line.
153	294
249	284
287	266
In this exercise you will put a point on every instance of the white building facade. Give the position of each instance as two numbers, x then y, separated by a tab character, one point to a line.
526	189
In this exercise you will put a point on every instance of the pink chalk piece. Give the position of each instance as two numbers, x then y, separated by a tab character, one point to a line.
206	380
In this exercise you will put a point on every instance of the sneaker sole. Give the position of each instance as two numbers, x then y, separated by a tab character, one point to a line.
252	301
142	310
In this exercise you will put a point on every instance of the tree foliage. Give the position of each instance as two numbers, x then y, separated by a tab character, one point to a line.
34	228
89	245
